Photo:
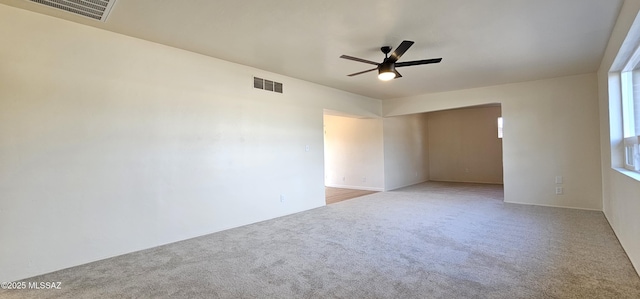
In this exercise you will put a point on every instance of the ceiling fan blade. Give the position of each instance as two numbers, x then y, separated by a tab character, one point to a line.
418	62
403	47
359	73
397	75
358	59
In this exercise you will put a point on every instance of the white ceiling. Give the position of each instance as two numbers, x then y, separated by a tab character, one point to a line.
482	42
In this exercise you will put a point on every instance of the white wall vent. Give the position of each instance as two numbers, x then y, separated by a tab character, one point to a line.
94	9
265	84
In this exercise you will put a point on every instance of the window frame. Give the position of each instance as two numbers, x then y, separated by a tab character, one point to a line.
630	138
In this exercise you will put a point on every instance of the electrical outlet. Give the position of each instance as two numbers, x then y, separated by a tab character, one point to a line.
306	148
559	190
364	179
559	179
281	198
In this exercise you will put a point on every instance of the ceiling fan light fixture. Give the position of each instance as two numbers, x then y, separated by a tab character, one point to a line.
386	71
386	76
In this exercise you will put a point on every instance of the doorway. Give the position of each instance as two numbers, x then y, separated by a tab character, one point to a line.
353	156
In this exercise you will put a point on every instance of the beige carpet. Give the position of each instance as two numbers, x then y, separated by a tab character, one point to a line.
433	240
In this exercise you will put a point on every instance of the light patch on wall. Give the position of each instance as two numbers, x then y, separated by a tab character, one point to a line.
500	124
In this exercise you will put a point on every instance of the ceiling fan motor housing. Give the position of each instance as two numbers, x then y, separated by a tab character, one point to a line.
387	66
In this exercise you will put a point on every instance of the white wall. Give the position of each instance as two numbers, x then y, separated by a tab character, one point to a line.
406	159
110	144
621	194
550	129
464	145
353	153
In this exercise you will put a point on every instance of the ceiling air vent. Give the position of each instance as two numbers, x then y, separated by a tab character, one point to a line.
94	9
265	84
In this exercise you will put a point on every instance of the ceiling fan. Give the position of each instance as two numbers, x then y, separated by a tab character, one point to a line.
387	69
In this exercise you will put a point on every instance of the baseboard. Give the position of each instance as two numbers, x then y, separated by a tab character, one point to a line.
552	206
355	187
469	182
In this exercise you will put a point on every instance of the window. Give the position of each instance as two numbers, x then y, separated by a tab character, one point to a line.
630	94
632	153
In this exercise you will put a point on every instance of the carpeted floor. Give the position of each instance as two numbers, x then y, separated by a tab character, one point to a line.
433	240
